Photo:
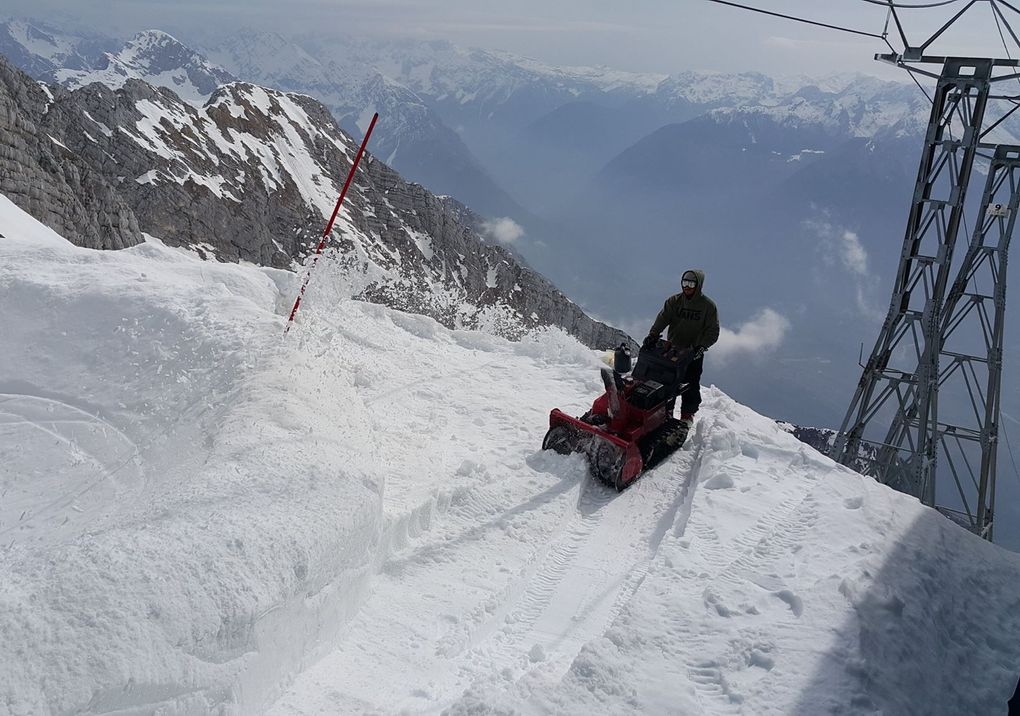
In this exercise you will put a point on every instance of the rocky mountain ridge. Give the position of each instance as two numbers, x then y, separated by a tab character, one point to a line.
468	122
416	140
251	176
46	178
157	58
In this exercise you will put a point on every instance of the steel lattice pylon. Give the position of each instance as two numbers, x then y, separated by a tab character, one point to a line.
924	347
977	300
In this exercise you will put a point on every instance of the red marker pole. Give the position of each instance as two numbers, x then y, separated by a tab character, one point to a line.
329	226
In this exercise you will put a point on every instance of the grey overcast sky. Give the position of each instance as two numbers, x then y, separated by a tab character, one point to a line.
639	35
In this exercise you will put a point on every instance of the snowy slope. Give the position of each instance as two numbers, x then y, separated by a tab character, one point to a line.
42	50
148	521
157	58
198	515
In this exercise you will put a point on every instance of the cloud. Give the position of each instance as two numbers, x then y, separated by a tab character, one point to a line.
841	247
764	332
854	257
504	230
787	43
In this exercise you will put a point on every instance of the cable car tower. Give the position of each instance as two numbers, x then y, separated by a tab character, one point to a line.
925	416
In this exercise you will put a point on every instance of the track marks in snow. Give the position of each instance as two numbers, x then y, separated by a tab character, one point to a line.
543	612
738	575
676	517
505	623
505	580
592	570
776	531
743	590
76	487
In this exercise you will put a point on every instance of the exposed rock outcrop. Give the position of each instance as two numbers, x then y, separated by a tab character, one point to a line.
44	177
252	176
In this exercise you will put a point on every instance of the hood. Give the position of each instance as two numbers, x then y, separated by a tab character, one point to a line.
698	276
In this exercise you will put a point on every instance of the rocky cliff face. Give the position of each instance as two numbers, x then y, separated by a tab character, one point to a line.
39	173
253	175
460	280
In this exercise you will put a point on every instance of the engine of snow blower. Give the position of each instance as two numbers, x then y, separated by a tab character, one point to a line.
629	427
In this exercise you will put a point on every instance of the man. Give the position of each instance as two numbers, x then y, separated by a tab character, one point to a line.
693	323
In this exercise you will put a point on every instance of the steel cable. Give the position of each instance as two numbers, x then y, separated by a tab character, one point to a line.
798	19
902	6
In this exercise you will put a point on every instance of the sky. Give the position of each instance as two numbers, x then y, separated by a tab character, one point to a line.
645	36
201	515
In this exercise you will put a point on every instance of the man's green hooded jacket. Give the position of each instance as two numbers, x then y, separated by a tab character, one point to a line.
691	321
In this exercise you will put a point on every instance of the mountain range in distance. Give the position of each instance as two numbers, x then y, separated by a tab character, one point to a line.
609	183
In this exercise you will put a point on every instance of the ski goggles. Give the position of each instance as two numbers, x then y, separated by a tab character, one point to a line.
688	283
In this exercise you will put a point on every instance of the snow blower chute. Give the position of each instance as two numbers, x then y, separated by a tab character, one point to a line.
629	427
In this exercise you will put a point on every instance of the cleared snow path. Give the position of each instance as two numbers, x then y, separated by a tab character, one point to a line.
735	578
569	553
502	559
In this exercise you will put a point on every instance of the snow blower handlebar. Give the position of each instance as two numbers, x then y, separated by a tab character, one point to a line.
663	363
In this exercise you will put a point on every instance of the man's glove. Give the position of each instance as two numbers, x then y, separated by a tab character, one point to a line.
697	352
650	342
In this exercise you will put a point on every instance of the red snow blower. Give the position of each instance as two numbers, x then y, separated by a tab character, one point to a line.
630	427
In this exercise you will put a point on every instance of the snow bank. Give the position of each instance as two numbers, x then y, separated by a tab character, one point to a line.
189	506
192	505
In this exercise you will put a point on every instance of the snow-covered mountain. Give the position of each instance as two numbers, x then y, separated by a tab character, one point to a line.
42	50
252	176
199	517
158	59
446	104
571	145
457	117
413	139
430	88
73	59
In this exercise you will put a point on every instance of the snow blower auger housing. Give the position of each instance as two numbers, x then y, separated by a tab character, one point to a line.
629	427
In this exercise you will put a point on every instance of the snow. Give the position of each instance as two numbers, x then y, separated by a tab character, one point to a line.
144	57
200	515
424	244
102	127
117	74
605	78
42	44
284	153
149	177
153	118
